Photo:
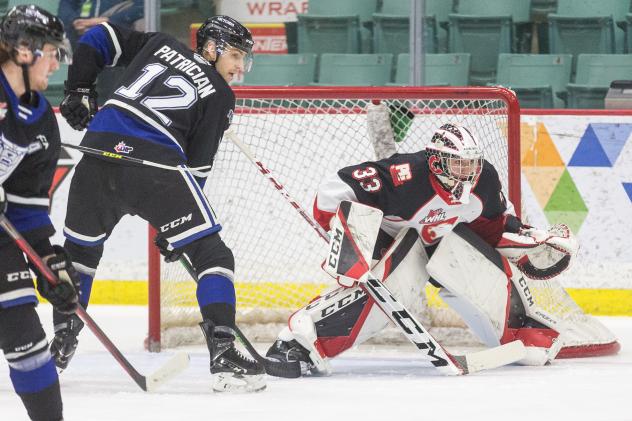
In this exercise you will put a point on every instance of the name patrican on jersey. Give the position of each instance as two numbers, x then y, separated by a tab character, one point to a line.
189	67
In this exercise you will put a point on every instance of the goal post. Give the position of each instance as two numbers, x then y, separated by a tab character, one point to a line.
304	135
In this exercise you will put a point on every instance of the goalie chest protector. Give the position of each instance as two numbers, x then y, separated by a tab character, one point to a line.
403	187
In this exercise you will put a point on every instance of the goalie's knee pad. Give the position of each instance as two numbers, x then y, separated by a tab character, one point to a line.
479	285
344	317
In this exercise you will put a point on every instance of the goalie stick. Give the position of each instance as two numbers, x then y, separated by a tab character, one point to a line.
149	383
288	370
414	331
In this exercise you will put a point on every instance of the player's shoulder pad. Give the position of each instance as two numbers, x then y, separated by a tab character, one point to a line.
394	171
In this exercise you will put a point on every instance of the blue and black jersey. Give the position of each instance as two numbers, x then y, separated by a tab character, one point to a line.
171	106
29	148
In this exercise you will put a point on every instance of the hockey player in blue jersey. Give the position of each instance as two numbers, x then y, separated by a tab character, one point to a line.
172	107
32	44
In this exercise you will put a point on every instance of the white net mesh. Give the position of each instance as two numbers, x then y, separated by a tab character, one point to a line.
301	141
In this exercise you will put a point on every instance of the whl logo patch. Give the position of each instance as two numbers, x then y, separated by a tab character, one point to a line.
435	215
123	148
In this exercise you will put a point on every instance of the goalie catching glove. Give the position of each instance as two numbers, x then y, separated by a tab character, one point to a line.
63	296
537	253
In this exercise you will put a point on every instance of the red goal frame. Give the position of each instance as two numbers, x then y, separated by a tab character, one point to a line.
367	93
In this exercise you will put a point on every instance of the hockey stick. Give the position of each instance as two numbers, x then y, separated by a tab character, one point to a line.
288	370
148	383
414	331
99	152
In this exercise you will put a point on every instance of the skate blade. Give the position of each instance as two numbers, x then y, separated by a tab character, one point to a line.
231	383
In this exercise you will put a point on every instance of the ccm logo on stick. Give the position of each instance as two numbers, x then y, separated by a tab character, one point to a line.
176	222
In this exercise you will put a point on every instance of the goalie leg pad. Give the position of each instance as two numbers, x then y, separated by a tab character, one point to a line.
345	317
354	230
480	287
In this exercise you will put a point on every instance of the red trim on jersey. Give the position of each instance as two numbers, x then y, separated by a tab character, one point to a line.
490	230
321	216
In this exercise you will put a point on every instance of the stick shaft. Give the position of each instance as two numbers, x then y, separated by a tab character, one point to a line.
106	154
81	312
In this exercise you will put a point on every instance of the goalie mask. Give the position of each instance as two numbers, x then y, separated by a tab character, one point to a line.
226	32
455	158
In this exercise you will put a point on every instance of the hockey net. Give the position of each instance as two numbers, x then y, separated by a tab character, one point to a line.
303	135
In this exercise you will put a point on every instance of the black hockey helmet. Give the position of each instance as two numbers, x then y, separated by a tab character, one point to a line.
226	31
31	26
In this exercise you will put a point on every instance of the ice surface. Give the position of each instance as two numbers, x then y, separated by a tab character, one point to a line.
369	383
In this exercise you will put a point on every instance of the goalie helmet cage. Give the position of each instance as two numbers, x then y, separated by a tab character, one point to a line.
304	135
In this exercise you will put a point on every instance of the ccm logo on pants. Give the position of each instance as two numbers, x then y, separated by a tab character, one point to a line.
176	222
12	277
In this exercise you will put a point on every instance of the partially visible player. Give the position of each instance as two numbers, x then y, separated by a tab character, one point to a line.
32	44
444	212
172	107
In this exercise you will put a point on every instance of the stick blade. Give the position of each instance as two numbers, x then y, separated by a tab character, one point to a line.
493	357
169	370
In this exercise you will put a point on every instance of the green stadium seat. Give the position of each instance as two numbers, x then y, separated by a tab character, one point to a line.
340	22
590	8
626	25
484	37
362	8
440	9
328	34
595	72
519	10
617	9
282	70
391	34
578	35
535	78
355	69
439	69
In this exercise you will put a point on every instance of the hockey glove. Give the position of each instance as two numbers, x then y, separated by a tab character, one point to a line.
540	254
3	201
163	246
79	106
62	296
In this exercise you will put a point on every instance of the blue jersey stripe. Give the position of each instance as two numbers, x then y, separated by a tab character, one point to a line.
112	120
29	299
27	218
98	39
35	113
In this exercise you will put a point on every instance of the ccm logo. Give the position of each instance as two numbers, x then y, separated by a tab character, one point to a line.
176	222
334	251
12	277
527	292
